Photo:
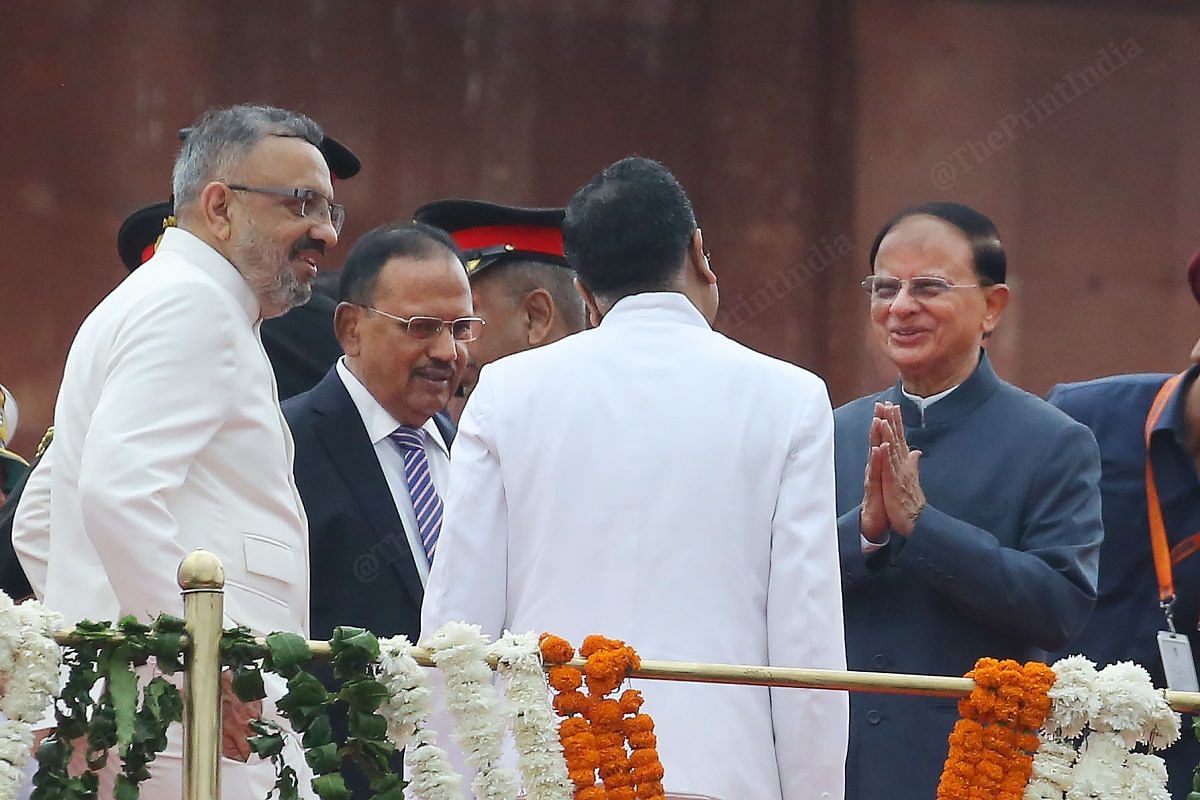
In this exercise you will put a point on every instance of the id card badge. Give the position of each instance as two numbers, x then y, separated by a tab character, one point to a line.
1176	652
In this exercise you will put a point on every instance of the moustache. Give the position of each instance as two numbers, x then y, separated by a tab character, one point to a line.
436	371
306	243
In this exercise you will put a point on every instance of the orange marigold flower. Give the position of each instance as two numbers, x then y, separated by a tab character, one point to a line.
555	649
582	778
648	774
631	701
591	793
605	713
572	727
642	758
606	738
565	679
595	643
650	791
621	793
570	703
642	740
642	723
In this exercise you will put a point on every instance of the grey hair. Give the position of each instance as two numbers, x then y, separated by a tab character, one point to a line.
520	277
223	136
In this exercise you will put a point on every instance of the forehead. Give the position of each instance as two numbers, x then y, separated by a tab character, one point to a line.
287	161
925	245
434	284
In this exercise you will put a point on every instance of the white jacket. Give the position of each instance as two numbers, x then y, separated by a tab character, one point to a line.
168	438
654	481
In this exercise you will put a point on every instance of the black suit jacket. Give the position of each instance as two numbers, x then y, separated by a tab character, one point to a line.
362	569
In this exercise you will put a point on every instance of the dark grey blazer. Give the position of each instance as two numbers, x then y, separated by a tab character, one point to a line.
1002	562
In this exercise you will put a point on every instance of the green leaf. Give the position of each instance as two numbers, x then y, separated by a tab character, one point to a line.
125	789
353	649
248	684
366	725
331	787
167	648
166	623
267	746
122	686
287	785
161	699
319	732
389	787
286	652
323	759
304	690
363	695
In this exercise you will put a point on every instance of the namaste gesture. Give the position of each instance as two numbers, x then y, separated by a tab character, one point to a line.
892	496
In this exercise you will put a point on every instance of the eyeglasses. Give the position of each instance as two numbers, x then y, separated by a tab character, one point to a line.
463	329
306	203
886	289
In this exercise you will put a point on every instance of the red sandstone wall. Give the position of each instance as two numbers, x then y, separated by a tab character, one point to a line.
797	127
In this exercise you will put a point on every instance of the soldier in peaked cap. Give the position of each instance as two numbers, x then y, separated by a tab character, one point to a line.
520	281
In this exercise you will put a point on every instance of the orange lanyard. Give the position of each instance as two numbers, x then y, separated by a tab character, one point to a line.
1164	557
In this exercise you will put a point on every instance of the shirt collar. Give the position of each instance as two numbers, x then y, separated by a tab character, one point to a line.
664	306
923	403
965	398
1174	416
212	263
378	422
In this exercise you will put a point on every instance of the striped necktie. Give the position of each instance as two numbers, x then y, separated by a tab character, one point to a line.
425	501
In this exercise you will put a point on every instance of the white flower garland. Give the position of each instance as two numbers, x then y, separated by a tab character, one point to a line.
539	751
430	774
29	667
1095	721
460	651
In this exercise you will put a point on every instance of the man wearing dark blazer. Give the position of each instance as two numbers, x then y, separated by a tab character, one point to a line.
373	501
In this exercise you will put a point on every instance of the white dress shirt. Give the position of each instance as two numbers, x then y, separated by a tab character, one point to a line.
380	424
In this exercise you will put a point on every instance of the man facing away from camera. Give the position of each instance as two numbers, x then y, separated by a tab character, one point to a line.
652	480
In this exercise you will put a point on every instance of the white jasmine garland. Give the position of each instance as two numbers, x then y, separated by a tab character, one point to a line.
1132	708
430	774
1096	719
29	666
531	716
460	651
1074	698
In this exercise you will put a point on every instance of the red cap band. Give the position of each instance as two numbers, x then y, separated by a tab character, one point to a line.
530	238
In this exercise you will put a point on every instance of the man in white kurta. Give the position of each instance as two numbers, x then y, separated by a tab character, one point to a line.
168	432
654	481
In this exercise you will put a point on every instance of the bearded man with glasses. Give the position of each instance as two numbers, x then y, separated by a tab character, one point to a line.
168	431
372	443
968	510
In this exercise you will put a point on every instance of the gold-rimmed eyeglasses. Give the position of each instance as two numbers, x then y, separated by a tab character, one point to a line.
925	287
463	329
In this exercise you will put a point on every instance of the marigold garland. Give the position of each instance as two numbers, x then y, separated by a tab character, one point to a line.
596	728
992	745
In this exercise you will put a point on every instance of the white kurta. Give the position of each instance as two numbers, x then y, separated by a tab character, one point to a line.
168	437
654	481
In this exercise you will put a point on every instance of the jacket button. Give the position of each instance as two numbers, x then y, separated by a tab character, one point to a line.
873	717
879	660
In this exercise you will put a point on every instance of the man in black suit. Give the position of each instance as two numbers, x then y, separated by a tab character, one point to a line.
372	449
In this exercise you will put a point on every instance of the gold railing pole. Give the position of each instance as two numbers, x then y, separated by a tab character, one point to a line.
202	579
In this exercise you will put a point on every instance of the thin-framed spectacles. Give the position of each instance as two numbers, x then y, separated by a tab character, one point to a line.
886	289
306	203
463	329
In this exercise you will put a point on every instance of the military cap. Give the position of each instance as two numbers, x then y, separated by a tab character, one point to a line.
141	230
490	234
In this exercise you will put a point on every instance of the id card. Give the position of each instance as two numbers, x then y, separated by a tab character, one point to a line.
1176	652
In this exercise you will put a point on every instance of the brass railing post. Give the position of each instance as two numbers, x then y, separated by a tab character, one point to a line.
202	579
